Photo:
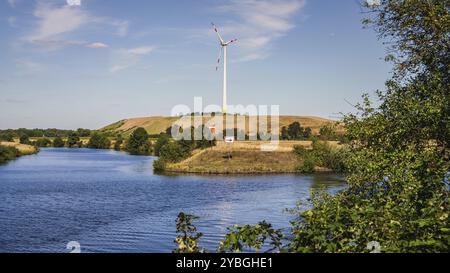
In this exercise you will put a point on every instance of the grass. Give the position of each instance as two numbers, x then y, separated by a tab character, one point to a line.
23	148
247	158
157	124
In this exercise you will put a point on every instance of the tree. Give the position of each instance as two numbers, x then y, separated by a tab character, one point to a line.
83	132
307	133
173	152
24	139
327	133
73	140
43	142
58	142
7	136
284	133
398	184
295	130
162	140
118	143
138	143
99	141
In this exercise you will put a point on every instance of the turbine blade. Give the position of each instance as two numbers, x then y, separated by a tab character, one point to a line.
220	57
230	42
218	34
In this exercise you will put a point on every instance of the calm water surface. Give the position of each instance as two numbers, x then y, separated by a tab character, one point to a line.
112	202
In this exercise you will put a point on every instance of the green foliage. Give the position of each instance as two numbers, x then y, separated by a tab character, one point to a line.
58	142
43	142
83	132
247	236
24	139
174	152
138	143
8	153
99	141
118	143
73	140
159	165
327	133
52	132
321	155
295	132
398	160
7	136
162	140
187	241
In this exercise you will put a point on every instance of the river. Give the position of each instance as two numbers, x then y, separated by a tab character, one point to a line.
110	201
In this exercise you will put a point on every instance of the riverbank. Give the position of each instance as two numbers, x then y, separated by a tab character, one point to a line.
246	158
12	150
22	148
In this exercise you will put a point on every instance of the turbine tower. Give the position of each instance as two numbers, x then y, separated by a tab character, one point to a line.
223	50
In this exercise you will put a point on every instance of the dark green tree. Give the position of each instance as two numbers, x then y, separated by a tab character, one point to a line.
295	131
43	142
99	141
162	140
307	133
118	143
73	140
24	139
58	142
284	133
138	143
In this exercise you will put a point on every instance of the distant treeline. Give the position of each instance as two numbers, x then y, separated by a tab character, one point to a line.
10	134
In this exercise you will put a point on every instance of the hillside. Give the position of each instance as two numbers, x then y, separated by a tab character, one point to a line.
158	124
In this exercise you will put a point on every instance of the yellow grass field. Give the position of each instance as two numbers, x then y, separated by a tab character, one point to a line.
23	149
247	158
158	124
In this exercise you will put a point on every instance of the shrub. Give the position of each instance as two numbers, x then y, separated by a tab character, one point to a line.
138	143
43	142
58	142
8	153
99	141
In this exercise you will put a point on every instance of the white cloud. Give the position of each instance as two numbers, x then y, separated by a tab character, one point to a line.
258	23
126	58
97	45
140	51
74	2
56	21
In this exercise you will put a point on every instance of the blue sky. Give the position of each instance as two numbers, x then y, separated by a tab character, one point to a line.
72	63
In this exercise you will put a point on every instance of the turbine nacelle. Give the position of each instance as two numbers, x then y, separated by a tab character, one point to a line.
221	41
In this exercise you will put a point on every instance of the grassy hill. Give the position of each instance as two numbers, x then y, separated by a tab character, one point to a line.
158	124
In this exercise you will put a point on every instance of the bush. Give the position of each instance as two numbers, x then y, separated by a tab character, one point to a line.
99	141
58	142
73	140
159	165
24	139
118	143
43	142
173	152
162	140
321	155
138	143
8	153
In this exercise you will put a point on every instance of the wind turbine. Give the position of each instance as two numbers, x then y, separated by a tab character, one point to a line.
223	50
